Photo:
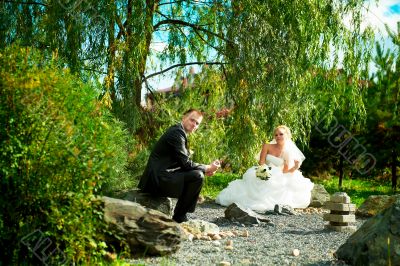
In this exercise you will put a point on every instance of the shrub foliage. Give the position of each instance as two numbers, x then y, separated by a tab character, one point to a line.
58	146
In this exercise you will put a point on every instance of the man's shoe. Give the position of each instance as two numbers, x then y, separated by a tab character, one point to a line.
180	219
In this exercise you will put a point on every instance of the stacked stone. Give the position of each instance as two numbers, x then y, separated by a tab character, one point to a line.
341	217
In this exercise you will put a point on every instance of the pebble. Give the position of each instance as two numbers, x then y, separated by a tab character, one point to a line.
216	243
245	262
296	252
229	247
216	237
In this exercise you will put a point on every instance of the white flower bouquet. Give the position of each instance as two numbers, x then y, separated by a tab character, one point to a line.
263	172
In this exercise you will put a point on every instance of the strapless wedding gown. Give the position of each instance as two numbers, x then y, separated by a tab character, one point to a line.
291	189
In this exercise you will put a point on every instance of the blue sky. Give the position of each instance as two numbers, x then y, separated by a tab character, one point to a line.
376	15
395	8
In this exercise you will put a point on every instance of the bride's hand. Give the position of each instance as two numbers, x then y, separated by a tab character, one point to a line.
293	169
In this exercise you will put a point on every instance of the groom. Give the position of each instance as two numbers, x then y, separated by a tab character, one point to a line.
171	173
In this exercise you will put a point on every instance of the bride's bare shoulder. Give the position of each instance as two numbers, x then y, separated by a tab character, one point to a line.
271	145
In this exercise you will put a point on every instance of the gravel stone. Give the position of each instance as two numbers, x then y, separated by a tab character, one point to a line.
267	244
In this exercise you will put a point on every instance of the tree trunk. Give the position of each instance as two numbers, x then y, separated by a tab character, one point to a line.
150	7
73	42
394	169
341	171
111	54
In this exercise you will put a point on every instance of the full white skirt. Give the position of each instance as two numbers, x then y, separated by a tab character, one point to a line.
291	189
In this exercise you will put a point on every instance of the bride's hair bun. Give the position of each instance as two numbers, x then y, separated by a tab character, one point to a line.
286	129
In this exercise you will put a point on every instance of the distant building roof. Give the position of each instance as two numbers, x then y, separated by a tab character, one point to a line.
168	89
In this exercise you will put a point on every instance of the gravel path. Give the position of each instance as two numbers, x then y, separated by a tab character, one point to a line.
266	244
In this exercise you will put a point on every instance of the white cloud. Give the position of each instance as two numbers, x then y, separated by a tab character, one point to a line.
379	13
158	46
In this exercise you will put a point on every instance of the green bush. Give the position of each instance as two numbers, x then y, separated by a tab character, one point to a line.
214	184
58	147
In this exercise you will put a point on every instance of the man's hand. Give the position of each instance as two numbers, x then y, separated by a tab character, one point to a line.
213	167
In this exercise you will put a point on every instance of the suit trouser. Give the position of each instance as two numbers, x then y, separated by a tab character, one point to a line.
184	185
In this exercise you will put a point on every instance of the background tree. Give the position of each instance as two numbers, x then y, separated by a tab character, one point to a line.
383	108
334	147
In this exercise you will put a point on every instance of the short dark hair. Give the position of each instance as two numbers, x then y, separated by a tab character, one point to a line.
193	110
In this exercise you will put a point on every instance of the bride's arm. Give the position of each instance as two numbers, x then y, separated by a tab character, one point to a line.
286	168
263	154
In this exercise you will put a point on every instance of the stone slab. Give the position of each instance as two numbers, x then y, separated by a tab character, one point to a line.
345	229
340	197
351	218
339	224
348	207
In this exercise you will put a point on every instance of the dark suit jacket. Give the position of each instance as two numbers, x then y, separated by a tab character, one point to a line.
169	155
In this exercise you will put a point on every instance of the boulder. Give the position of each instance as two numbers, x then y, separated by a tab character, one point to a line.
284	210
196	227
376	242
242	215
319	196
375	204
162	204
142	228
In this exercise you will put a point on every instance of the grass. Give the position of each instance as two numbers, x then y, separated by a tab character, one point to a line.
358	189
142	261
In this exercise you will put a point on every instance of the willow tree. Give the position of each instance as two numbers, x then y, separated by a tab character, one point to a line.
111	40
280	64
270	52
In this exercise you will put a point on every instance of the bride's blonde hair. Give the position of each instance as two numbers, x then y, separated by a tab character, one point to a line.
285	129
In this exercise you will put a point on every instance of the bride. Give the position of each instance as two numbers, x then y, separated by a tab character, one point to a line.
286	186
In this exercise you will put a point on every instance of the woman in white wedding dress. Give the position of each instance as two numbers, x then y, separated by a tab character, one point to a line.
286	186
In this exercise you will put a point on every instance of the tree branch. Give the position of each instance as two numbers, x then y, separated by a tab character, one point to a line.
196	31
25	3
120	26
205	41
150	90
208	3
187	24
171	3
94	70
179	65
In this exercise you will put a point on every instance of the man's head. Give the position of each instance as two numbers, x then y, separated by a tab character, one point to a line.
191	120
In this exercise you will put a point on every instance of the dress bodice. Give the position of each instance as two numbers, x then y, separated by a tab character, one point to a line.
277	161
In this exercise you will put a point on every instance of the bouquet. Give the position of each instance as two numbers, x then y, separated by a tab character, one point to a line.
263	172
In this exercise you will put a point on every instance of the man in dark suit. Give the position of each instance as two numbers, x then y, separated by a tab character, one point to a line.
171	173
